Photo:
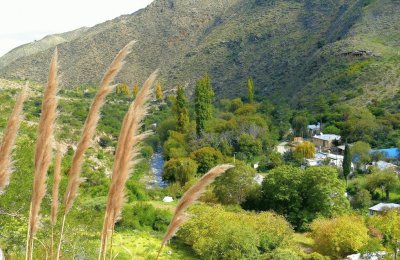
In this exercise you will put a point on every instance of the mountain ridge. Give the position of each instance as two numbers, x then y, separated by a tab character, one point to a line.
281	44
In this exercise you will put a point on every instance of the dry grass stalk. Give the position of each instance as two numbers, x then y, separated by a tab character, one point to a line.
43	150
56	188
90	125
189	198
126	151
8	141
88	132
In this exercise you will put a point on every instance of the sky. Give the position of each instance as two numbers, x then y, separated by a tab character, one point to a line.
23	21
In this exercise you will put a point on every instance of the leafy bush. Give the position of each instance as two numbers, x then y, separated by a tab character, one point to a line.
179	170
216	233
143	216
206	158
339	236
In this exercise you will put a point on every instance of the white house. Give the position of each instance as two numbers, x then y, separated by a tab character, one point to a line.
379	208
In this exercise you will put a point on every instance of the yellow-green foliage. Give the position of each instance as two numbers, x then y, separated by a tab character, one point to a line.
357	67
386	228
214	232
306	150
340	236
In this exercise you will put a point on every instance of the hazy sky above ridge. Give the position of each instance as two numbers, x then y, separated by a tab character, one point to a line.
23	21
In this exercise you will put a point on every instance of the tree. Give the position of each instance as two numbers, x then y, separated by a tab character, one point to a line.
235	184
386	180
362	199
248	146
346	163
159	92
302	195
360	153
122	88
135	90
360	124
323	193
179	170
299	124
181	110
206	158
306	150
281	192
203	94
388	224
340	236
250	90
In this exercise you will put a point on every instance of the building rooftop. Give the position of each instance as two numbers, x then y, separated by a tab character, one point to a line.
327	137
388	153
383	206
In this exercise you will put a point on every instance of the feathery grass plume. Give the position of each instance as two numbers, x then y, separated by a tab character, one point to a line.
56	188
124	155
8	141
89	127
189	198
88	132
43	150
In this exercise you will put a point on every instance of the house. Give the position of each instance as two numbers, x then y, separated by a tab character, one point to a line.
381	207
314	129
324	141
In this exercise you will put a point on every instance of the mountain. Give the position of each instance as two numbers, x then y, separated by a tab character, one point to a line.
295	50
35	47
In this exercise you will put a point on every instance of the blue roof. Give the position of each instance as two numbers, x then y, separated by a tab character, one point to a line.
389	153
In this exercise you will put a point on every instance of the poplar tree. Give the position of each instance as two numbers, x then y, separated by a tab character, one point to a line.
346	162
250	90
135	90
203	94
159	92
181	108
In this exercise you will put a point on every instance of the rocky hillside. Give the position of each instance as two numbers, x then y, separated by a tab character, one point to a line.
293	49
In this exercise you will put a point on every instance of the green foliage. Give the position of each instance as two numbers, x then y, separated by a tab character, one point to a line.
360	153
340	236
143	216
235	184
302	195
299	124
180	170
175	146
215	233
203	95
250	90
346	165
271	161
181	110
388	227
206	158
385	180
361	200
248	146
360	124
332	130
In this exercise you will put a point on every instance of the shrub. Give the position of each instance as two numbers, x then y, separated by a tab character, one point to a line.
339	236
206	158
216	233
143	216
179	170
